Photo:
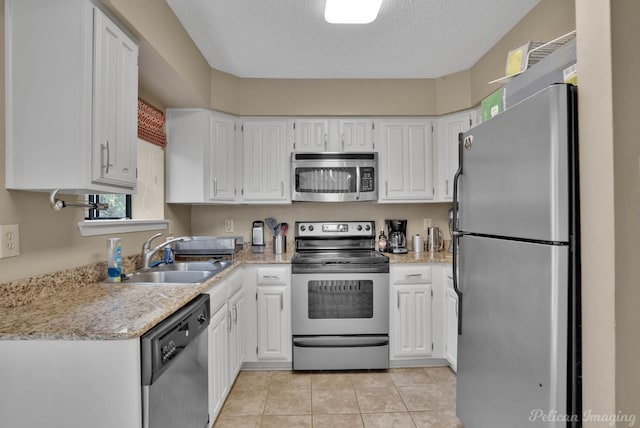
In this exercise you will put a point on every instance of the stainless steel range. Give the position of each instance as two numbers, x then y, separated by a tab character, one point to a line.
339	297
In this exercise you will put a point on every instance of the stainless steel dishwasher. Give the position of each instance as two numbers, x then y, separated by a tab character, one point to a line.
175	369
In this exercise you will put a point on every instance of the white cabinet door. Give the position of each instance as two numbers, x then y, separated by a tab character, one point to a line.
219	380
273	298
411	311
222	159
266	152
201	157
311	135
451	322
448	129
356	135
236	335
406	160
274	332
72	87
115	113
412	321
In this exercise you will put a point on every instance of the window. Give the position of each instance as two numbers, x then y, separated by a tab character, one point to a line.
119	207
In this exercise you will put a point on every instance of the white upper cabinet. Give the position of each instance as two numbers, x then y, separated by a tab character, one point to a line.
267	147
72	88
223	166
356	134
202	157
448	129
406	160
311	135
333	135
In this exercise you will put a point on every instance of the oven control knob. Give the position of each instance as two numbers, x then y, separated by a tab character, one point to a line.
310	228
303	228
359	227
202	319
367	228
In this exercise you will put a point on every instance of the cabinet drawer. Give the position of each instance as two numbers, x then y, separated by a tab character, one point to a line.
218	296
411	274
273	275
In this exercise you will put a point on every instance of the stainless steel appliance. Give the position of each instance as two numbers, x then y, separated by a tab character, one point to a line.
397	236
339	297
334	177
175	369
516	193
434	239
257	236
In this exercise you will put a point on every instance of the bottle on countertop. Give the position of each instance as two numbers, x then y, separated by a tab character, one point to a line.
382	242
168	252
114	259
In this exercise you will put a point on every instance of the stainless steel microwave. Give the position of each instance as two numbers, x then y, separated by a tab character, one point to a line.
334	177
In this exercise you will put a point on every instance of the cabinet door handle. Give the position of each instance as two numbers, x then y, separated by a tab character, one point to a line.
281	302
325	142
106	146
398	298
271	276
282	188
386	187
343	142
414	275
235	314
229	316
447	186
215	187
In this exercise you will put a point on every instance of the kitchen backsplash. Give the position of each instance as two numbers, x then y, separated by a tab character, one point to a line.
210	220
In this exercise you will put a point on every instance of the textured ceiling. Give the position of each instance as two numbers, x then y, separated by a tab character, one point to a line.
290	38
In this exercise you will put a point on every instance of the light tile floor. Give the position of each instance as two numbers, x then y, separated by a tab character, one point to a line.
394	398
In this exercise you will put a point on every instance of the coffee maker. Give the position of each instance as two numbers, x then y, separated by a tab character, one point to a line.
396	236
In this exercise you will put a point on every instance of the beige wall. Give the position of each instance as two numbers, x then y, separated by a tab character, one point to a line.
548	20
209	220
597	206
626	165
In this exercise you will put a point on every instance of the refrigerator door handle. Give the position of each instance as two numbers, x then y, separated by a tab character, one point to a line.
455	232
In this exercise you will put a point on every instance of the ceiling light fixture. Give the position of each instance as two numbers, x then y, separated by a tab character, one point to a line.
351	11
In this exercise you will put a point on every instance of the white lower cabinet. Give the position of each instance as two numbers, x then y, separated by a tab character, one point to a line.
451	320
219	384
268	316
236	324
226	350
411	308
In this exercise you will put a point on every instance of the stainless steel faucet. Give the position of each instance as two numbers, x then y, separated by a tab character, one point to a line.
148	252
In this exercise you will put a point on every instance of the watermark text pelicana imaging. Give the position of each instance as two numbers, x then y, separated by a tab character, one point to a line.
587	416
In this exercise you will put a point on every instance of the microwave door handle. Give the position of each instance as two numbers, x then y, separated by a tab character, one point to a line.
357	183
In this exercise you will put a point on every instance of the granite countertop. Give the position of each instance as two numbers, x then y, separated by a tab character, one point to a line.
103	311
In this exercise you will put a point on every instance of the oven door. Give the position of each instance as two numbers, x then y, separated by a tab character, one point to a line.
340	303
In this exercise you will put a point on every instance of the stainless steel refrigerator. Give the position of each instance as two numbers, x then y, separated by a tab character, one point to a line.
518	281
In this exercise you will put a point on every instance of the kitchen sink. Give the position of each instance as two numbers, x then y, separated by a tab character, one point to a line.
215	266
180	273
169	277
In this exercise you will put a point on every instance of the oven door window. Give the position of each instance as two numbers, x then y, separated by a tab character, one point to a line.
326	180
340	299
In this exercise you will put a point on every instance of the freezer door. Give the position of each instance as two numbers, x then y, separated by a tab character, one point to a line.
515	170
512	353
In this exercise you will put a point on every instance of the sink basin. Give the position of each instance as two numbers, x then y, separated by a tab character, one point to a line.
178	273
196	266
169	277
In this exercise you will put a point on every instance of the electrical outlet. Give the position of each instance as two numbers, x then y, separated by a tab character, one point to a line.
9	240
228	225
426	223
